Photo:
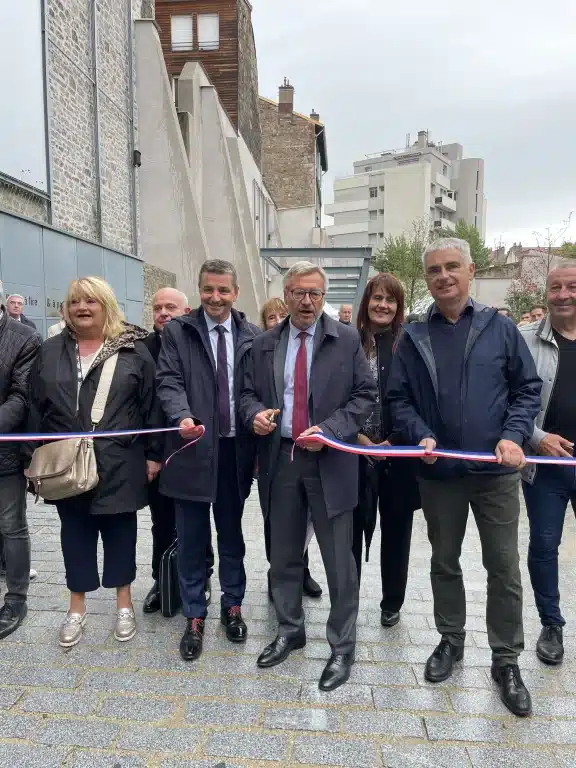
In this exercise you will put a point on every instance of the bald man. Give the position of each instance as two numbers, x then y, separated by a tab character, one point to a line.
167	303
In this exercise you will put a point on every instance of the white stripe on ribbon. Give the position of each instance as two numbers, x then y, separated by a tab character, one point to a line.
395	451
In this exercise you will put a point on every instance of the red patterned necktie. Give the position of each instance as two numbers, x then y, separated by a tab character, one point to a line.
300	419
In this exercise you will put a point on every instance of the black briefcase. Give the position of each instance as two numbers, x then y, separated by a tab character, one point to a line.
170	600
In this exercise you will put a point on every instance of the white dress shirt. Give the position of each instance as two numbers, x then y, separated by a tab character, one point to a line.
289	367
229	338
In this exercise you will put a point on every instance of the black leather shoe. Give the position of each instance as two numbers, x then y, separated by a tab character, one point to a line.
311	587
550	646
270	597
336	672
11	616
236	629
152	599
279	650
208	592
191	643
389	618
439	665
513	692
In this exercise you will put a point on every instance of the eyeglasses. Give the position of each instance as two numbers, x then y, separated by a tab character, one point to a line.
298	294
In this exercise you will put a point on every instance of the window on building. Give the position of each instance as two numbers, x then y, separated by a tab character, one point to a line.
455	195
208	31
381	211
367	169
182	34
382	188
381	235
444	170
373	215
476	209
477	179
476	221
373	191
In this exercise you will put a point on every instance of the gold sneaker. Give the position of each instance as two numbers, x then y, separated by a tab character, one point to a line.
125	625
71	629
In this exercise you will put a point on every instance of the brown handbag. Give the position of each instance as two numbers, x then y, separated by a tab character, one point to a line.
65	468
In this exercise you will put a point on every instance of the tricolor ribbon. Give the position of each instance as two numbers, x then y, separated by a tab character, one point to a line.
417	451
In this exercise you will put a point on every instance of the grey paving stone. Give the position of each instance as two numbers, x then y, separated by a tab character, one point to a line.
354	753
9	696
88	657
150	739
302	719
486	757
137	708
60	703
219	713
421	699
172	763
251	746
384	723
317	650
546	732
17	726
424	756
409	654
478	703
265	690
442	728
92	759
380	674
358	695
42	677
565	758
163	685
471	677
78	733
22	756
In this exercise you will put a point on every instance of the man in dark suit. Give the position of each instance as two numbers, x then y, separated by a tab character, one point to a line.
167	303
312	372
200	375
15	308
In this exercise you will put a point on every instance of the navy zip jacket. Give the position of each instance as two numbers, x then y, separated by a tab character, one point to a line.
500	394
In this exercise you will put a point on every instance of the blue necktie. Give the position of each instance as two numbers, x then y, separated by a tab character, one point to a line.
222	383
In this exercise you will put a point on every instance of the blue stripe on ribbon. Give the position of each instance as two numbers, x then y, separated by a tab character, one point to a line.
34	437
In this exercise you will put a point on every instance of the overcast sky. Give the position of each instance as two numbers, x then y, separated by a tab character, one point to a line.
497	76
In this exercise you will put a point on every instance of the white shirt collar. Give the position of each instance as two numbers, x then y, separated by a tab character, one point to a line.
212	323
295	331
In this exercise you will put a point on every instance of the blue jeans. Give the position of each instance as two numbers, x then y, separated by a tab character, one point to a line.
546	502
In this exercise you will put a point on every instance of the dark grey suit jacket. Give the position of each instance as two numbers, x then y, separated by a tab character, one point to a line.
342	395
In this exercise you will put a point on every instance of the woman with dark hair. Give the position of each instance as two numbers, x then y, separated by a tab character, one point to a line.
391	484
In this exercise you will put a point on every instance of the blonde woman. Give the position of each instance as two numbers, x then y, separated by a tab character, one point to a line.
63	386
272	313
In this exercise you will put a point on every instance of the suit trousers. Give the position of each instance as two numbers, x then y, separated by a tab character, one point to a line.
164	529
297	488
15	536
496	508
193	528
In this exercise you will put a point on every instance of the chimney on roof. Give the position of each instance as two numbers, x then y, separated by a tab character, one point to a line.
422	139
314	116
286	99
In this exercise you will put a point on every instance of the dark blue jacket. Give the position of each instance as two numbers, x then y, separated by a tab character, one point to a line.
186	388
500	390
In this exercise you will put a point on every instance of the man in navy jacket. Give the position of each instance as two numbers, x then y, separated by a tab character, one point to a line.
463	379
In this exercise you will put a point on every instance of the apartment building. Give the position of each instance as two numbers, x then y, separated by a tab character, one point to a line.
390	190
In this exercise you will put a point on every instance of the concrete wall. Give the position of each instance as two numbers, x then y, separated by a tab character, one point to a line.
491	291
297	227
194	199
471	204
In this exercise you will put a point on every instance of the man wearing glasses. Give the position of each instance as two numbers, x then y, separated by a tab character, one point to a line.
310	372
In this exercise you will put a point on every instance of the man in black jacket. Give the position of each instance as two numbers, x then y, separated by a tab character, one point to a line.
15	308
167	303
19	346
200	376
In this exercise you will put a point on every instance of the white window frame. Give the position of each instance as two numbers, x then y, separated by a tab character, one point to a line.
211	44
182	32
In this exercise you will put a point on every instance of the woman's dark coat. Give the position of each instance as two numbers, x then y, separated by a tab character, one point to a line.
131	404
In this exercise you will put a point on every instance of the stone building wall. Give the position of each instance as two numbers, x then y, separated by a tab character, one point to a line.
248	110
288	157
16	200
154	279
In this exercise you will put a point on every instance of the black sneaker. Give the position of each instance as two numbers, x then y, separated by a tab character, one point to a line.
550	646
11	616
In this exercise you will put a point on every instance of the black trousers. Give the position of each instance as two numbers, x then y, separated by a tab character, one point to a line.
396	517
193	526
297	488
267	543
79	538
164	529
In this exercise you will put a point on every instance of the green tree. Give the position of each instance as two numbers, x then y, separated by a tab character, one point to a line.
523	295
568	250
480	253
402	256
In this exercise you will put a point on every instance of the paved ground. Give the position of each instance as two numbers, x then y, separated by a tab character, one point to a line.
105	705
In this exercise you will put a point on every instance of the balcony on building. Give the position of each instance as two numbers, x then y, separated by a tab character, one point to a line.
445	203
444	224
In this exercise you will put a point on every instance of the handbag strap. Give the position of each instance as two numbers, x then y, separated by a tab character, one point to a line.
103	390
